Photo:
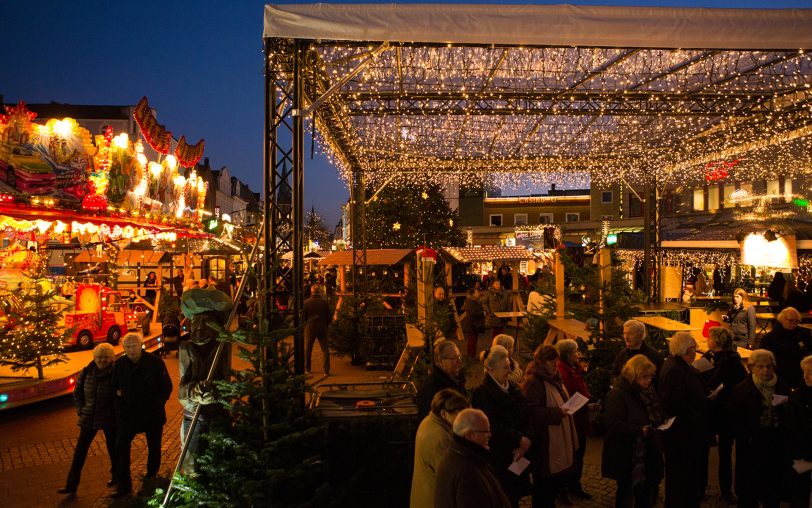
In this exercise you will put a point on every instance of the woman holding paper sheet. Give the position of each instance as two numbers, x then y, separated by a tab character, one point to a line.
726	373
502	401
687	442
572	375
632	454
757	413
555	438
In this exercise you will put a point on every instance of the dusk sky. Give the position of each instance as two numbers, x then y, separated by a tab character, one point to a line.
199	63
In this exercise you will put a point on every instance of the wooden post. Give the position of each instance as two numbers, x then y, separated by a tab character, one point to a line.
559	286
605	270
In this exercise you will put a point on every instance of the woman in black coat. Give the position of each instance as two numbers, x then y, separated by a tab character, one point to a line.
93	396
799	434
758	423
687	441
632	455
504	404
726	373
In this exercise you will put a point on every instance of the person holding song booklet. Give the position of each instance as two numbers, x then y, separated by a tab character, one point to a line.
555	438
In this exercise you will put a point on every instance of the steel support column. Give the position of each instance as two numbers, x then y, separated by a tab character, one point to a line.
358	234
297	202
651	240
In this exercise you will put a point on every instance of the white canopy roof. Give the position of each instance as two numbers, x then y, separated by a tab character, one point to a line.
545	25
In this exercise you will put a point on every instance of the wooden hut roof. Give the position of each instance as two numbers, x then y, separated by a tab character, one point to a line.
379	257
488	253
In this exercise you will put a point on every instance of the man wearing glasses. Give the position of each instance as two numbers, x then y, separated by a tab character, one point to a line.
789	343
465	477
446	373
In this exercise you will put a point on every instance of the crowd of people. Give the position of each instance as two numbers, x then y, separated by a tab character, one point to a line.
661	418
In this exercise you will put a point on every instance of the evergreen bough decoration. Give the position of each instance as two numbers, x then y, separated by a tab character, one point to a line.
269	453
620	303
33	337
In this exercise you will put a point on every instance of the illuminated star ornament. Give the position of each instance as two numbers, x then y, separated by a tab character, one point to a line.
396	226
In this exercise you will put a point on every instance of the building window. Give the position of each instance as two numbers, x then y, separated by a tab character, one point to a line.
606	197
520	219
545	218
699	200
572	217
713	197
773	188
787	190
496	219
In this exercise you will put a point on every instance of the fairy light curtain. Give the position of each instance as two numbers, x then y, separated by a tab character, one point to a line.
473	93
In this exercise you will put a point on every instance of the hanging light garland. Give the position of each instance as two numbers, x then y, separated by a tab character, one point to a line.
568	115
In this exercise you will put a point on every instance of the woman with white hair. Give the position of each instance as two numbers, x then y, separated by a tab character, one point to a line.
507	342
687	442
799	426
93	396
758	420
790	343
502	401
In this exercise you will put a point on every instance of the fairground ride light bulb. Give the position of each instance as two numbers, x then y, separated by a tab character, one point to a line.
121	141
155	169
171	161
63	128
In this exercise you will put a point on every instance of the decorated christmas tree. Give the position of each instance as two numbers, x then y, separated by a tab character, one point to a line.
407	216
33	337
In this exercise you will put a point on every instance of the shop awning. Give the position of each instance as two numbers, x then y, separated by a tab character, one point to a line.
375	257
545	25
127	257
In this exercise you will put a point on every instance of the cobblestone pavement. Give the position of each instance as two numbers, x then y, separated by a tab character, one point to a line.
36	449
37	441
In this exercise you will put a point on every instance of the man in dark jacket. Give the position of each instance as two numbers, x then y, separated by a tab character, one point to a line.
496	299
474	321
93	396
142	386
687	442
316	316
465	477
445	373
634	334
790	344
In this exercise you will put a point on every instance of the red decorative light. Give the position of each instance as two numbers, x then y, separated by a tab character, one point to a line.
94	202
6	198
719	170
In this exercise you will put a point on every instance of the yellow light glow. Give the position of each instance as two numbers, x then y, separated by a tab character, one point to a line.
139	147
201	185
757	251
180	181
63	128
171	161
155	169
121	141
142	159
